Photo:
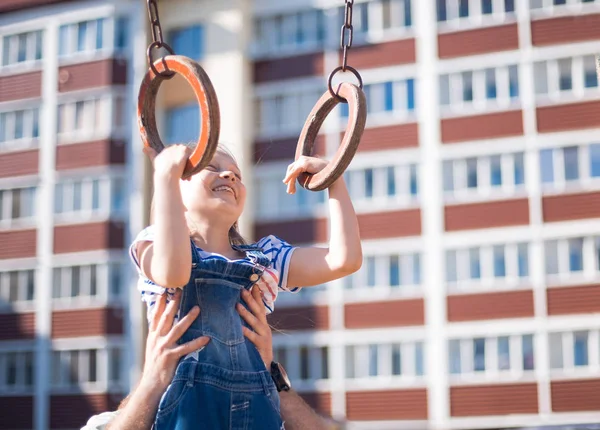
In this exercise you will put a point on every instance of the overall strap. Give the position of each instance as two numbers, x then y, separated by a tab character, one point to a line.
195	256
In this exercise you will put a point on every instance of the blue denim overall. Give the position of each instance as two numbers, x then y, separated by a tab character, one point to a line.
227	386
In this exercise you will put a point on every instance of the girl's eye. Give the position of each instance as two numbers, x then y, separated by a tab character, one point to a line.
211	167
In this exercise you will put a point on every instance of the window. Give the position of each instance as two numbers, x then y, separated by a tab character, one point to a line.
481	356
504	353
565	257
566	78
551	5
287	33
392	97
85	367
183	124
387	271
188	41
17	205
82	37
84	119
284	114
91	196
477	90
571	350
312	363
17	371
19	128
21	48
462	13
376	360
121	32
275	203
570	166
463	178
486	266
401	184
89	282
17	287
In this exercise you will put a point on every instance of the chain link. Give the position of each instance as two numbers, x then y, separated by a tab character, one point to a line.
347	33
157	38
155	22
346	39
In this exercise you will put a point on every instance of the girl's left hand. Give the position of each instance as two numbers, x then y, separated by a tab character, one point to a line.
303	164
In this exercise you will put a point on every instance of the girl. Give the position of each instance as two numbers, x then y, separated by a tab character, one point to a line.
194	232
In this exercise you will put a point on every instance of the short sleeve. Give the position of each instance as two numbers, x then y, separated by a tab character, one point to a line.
146	235
280	253
145	285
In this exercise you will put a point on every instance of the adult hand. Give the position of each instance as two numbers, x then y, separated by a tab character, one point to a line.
162	350
260	335
303	164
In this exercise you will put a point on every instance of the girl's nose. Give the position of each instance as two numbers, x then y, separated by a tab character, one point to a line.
228	175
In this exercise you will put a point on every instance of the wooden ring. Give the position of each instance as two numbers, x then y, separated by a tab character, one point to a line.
357	118
210	120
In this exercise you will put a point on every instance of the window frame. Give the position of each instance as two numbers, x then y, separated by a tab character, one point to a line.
547	77
475	18
7	197
451	100
8	119
22	303
458	262
11	41
559	184
64	351
566	352
484	191
492	369
20	361
107	182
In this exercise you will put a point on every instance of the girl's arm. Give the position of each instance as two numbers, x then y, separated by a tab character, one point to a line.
168	260
315	266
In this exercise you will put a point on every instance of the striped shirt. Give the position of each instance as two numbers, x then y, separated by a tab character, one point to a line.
273	279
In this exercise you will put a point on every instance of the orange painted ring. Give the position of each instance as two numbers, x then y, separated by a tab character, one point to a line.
357	104
210	120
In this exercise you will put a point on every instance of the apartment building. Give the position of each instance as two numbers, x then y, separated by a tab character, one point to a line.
475	190
67	122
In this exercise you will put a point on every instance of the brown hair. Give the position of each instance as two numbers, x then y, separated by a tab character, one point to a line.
235	237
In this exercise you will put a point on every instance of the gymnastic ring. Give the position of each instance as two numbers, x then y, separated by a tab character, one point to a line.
210	120
357	118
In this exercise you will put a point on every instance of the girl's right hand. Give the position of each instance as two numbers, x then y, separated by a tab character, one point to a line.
171	161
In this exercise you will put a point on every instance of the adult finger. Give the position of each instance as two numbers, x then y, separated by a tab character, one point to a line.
250	335
249	318
191	346
166	322
185	323
159	308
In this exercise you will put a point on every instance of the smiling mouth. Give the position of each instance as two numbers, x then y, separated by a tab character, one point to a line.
224	188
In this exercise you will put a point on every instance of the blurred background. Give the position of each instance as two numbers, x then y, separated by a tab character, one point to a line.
477	185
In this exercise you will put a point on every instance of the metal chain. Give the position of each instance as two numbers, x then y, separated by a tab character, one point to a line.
155	22
346	39
157	38
347	33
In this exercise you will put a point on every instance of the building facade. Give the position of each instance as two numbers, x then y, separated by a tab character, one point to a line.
475	186
66	128
475	190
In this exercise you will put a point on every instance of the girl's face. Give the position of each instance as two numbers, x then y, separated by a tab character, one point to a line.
217	192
